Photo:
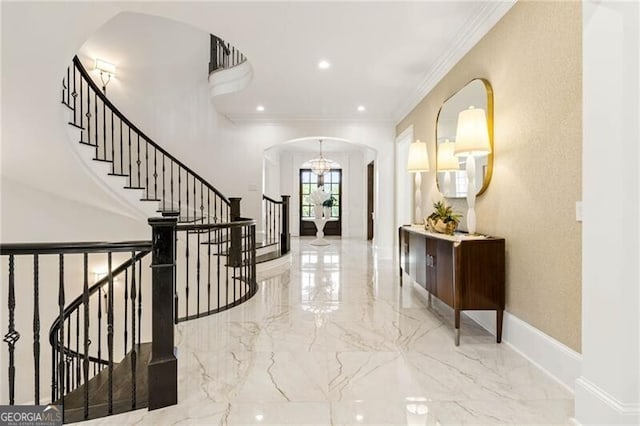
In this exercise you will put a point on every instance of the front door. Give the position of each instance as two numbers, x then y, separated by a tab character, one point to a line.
332	184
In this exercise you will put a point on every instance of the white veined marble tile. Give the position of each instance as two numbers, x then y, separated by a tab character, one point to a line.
336	341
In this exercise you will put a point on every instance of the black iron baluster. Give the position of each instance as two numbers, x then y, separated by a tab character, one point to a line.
74	94
104	131
172	207
121	153
187	271
113	155
146	166
88	115
129	160
53	374
99	328
76	359
201	202
36	328
12	335
138	162
126	306
229	254
187	179
139	298
85	363
209	252
95	118
155	174
215	207
195	219
68	358
134	353
164	185
220	249
68	85
198	275
110	333
81	111
61	352
64	87
179	192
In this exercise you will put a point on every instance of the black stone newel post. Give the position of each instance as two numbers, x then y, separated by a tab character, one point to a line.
163	366
235	251
285	236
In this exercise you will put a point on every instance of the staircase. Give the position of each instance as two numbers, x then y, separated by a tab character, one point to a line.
105	356
133	160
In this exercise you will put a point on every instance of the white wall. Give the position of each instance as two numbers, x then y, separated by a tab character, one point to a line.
608	390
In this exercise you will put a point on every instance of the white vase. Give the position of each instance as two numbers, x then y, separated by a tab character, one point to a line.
327	212
317	211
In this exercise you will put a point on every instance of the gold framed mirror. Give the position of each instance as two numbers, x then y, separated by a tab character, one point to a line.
452	178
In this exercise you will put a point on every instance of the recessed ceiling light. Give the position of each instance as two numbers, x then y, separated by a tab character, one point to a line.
361	108
260	108
323	65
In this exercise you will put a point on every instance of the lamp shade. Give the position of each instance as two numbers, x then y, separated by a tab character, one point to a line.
446	160
472	135
104	66
418	158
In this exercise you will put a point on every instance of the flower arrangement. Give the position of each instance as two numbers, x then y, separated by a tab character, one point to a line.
443	220
329	202
319	196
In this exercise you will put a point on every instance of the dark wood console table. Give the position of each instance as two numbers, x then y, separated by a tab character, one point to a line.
465	272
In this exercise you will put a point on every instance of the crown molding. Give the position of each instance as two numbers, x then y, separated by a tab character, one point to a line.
476	28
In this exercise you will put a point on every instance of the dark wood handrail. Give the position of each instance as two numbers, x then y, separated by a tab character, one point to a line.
264	197
72	247
116	111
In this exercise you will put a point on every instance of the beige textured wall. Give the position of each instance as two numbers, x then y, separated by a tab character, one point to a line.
532	58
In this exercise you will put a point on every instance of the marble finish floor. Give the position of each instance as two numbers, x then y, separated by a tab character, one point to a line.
336	341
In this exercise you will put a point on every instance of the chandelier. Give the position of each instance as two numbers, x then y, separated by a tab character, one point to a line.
320	165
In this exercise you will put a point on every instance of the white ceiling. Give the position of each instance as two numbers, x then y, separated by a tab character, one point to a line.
383	55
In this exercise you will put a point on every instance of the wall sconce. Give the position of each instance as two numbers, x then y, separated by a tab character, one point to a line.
417	163
105	68
472	140
447	163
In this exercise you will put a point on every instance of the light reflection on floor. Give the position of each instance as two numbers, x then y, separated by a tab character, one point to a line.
336	341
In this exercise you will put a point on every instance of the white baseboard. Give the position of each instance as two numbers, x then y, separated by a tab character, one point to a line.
596	406
557	360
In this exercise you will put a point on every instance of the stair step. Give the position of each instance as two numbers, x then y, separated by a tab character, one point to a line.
259	245
102	161
76	125
88	144
150	199
122	385
67	105
134	187
117	174
272	255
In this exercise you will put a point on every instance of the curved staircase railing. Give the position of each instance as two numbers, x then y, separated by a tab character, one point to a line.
102	362
83	368
106	341
134	155
276	219
223	55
